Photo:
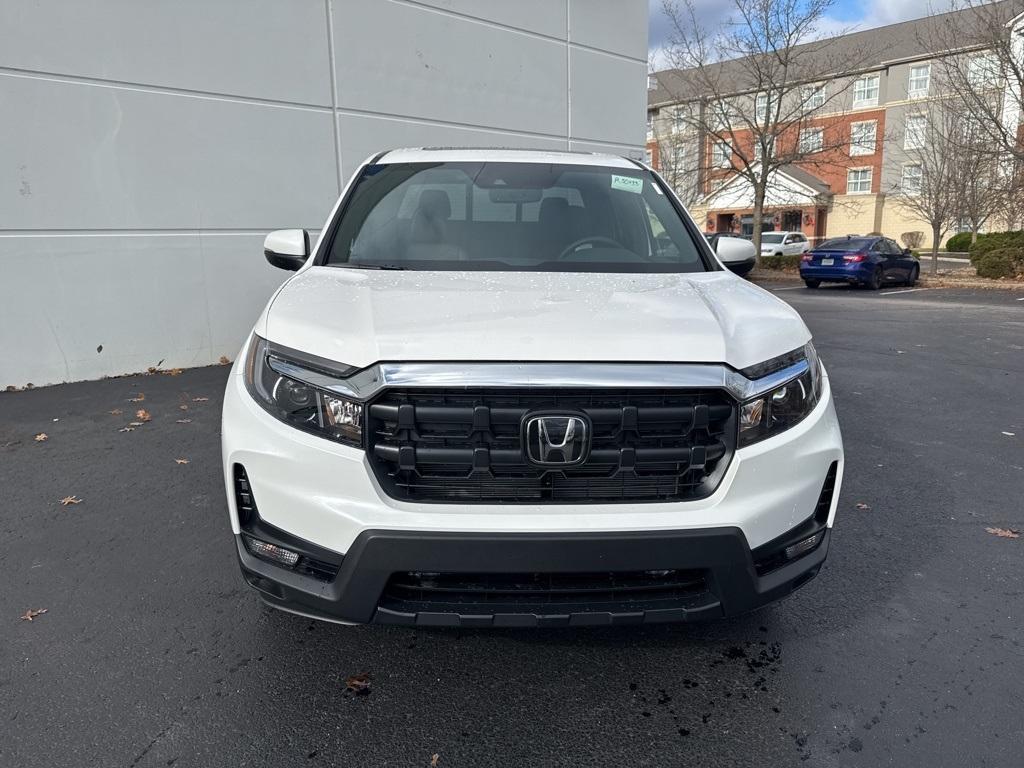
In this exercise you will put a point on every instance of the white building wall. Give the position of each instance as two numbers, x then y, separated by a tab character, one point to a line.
146	147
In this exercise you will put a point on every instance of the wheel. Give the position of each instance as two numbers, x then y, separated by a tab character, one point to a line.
812	283
914	272
876	279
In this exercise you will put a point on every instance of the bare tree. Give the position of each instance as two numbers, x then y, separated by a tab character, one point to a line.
929	181
756	85
982	66
678	158
982	187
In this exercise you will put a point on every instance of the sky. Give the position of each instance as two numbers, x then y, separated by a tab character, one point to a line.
845	15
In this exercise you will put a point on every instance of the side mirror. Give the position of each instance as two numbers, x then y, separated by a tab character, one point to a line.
287	248
907	252
735	251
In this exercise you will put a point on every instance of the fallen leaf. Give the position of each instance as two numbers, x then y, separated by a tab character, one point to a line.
182	407
31	614
433	760
70	500
861	505
134	424
183	421
181	461
138	398
40	437
1004	533
224	360
142	415
116	412
173	372
358	684
126	429
151	370
200	399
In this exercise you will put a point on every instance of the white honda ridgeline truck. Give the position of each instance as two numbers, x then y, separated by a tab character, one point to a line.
515	388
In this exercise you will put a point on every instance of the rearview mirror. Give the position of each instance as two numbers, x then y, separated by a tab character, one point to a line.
287	248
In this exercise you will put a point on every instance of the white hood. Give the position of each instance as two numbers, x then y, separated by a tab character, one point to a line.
359	317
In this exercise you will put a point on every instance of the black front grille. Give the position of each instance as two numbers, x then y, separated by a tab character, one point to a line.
463	593
452	445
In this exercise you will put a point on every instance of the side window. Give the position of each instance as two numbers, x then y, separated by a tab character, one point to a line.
879	247
895	248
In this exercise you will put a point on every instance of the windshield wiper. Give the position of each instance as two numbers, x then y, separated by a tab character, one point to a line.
350	265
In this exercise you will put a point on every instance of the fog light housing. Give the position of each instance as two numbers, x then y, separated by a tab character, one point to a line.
272	553
794	551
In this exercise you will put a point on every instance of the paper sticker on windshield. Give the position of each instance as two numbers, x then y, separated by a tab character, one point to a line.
628	183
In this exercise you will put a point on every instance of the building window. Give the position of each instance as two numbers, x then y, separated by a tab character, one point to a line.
761	108
768	141
650	125
865	91
983	70
723	116
678	119
814	97
862	137
652	83
721	155
649	157
916	134
911	181
920	79
858	181
811	140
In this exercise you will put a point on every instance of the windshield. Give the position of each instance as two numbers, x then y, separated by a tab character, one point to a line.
772	237
512	216
845	244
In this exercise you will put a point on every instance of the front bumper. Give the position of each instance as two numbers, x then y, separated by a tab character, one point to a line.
326	495
360	592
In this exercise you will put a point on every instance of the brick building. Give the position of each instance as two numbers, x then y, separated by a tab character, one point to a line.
867	132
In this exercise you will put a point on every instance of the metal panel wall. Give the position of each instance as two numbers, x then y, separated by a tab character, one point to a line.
146	147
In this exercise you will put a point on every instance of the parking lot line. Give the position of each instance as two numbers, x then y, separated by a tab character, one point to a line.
791	288
908	290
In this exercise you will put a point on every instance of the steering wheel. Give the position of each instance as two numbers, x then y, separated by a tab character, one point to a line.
572	247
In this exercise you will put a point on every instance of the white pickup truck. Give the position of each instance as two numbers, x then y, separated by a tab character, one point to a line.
516	388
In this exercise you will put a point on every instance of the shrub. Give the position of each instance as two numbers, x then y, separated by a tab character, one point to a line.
959	243
994	241
780	262
1001	262
912	240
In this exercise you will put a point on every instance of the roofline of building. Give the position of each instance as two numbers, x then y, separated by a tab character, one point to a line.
884	64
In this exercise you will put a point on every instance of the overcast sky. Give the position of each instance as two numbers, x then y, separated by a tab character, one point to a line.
845	14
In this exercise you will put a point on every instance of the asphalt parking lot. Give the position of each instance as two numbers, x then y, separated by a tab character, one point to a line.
905	651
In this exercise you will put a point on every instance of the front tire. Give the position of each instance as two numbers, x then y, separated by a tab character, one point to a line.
914	272
812	283
876	279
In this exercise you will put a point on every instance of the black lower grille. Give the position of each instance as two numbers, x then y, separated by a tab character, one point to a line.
451	445
518	592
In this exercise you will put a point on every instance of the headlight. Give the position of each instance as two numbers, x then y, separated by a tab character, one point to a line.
785	405
298	403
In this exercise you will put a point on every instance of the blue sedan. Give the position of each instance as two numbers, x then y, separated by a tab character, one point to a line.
872	261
